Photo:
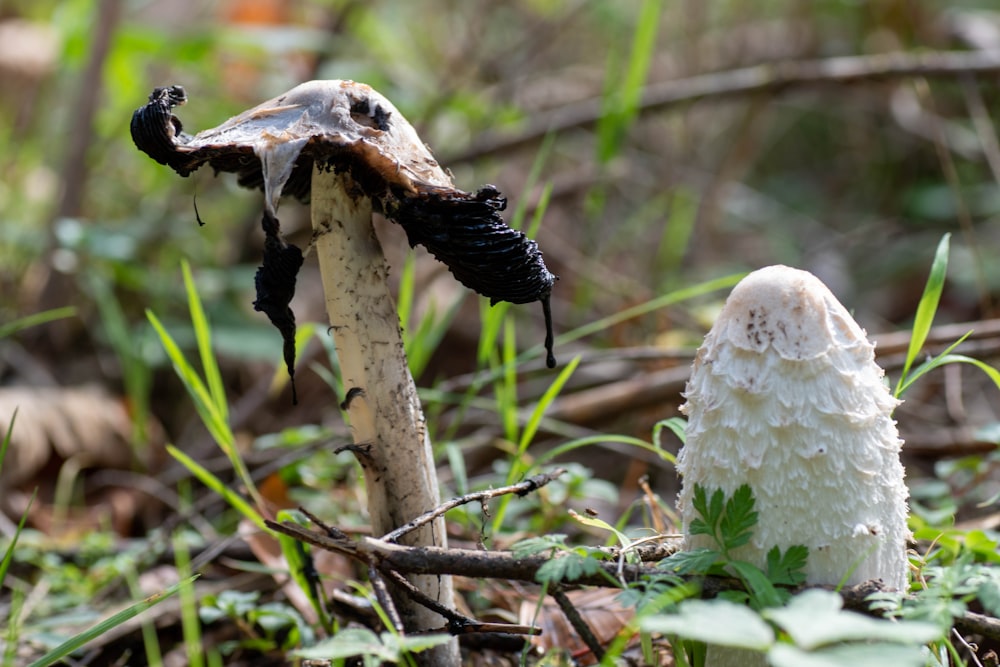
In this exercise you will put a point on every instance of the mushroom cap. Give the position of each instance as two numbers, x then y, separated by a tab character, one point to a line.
785	396
341	121
348	126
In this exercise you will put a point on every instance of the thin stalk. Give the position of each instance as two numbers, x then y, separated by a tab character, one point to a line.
386	420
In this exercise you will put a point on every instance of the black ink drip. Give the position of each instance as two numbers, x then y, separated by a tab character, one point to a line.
275	281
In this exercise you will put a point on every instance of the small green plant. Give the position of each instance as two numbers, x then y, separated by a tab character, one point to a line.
729	523
807	628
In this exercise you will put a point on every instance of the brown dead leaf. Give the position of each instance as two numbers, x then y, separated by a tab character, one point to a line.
80	423
598	608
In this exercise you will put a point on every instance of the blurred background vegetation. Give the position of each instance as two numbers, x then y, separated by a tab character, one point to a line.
856	183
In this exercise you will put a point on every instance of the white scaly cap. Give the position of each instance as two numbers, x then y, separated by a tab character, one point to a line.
785	396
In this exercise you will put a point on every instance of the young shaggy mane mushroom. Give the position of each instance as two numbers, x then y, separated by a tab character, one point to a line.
785	396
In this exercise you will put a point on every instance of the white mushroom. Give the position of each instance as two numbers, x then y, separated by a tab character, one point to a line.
785	396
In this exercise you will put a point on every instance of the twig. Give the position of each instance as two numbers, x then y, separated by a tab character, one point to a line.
459	624
580	625
504	565
520	489
967	646
384	598
774	78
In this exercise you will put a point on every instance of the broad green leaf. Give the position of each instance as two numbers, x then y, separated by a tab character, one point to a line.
762	591
856	655
816	618
715	622
363	642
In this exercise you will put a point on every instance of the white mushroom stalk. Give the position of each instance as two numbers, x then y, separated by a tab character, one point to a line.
785	396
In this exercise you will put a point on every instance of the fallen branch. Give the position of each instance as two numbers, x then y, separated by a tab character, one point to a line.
520	489
505	565
772	78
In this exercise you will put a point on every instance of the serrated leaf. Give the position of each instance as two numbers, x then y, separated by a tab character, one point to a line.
788	568
699	527
715	507
700	502
864	655
536	545
816	618
739	518
716	622
695	561
567	567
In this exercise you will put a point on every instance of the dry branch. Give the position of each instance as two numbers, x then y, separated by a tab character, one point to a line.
770	78
505	565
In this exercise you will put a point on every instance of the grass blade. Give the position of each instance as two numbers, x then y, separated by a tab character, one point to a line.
662	301
926	309
211	481
35	319
74	643
203	336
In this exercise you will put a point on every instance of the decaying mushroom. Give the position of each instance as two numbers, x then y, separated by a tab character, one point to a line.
347	149
348	127
785	396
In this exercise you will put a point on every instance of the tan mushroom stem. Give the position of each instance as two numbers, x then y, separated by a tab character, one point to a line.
785	396
386	420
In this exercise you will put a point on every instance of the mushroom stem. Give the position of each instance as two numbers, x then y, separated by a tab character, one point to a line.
385	414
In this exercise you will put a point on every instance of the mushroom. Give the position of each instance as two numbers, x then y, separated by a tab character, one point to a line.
346	148
785	396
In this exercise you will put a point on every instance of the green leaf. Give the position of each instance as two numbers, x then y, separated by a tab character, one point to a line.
927	308
363	642
536	545
600	524
531	427
762	592
695	561
816	618
211	481
787	569
715	622
736	526
301	566
203	336
568	566
35	319
864	655
705	524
